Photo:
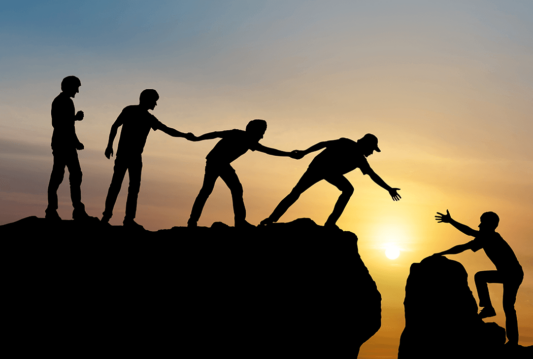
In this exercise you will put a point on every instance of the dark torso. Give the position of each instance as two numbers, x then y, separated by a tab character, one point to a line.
63	119
136	124
234	143
340	157
498	251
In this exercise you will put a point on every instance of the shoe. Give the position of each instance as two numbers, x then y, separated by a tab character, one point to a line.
333	227
192	224
266	222
52	216
80	215
487	312
105	221
243	224
131	224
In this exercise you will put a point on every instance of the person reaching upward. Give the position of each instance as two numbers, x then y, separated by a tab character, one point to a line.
233	144
508	269
338	158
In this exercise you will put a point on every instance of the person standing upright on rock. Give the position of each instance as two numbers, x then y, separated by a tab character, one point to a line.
136	124
233	144
508	269
65	145
339	157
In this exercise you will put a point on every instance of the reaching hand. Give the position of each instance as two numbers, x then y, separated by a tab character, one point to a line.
189	136
79	116
443	218
394	194
109	152
296	154
80	146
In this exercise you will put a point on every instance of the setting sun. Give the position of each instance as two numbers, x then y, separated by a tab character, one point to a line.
392	251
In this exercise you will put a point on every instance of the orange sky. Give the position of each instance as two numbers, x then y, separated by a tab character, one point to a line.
446	88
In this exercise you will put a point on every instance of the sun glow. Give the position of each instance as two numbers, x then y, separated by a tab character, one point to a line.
392	251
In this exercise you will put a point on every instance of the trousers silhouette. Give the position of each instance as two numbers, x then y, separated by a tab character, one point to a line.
510	289
309	178
228	175
62	159
134	168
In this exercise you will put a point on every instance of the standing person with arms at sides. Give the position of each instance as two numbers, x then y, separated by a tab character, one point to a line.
65	145
508	269
233	144
136	124
339	157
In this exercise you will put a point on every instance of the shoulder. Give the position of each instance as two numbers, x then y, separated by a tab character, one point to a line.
62	99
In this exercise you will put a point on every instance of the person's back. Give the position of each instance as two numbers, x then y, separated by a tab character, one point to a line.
63	121
234	143
340	157
498	251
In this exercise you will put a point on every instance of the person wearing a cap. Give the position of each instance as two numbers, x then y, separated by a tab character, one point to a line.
338	158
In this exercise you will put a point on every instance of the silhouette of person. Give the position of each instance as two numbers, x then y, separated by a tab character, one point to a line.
136	124
339	157
508	269
65	145
233	144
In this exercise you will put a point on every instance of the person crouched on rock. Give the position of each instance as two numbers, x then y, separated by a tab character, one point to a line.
136	124
65	145
339	157
233	144
508	269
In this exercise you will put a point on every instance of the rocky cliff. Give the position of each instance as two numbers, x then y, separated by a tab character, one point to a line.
288	290
441	318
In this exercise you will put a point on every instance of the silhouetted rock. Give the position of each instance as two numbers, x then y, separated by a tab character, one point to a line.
288	290
441	318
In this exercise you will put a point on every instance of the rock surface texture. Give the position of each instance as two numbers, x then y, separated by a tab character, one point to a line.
441	318
288	290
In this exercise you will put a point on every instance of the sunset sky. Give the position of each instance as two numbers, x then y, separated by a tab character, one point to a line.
446	86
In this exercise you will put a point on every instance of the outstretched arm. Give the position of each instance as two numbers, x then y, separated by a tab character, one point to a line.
316	147
207	136
392	191
112	134
454	250
272	151
447	218
175	133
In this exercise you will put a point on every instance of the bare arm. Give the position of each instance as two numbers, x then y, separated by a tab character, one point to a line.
454	250
175	133
112	135
447	218
272	151
392	191
207	136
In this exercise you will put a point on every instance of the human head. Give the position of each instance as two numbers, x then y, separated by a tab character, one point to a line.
256	128
149	99
489	221
369	143
70	85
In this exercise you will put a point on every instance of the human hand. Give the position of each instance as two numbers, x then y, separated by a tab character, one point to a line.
79	116
443	218
80	146
394	194
296	154
191	137
109	152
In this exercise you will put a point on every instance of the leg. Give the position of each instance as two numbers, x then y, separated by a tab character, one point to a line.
510	289
481	279
347	190
58	172
75	178
229	176
116	182
135	167
210	177
308	179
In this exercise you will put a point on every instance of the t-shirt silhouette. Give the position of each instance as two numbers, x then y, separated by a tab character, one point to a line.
63	119
498	251
136	124
340	157
234	143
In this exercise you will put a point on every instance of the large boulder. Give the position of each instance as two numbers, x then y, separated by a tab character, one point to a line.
441	319
287	290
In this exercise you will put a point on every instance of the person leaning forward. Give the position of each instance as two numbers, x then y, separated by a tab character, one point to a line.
65	145
136	124
339	157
